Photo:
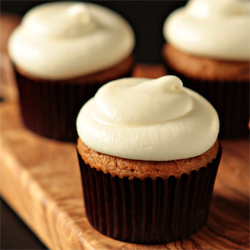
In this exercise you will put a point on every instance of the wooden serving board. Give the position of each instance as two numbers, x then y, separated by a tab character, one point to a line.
40	180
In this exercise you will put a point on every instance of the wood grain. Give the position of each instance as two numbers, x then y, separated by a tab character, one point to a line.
40	180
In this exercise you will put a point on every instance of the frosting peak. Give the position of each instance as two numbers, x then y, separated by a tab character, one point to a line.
211	28
144	119
69	22
164	93
62	40
215	8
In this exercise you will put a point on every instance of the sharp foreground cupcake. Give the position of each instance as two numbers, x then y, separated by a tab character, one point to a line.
62	53
148	155
208	47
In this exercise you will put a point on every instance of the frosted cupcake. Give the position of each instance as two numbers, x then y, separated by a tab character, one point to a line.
148	154
208	48
62	53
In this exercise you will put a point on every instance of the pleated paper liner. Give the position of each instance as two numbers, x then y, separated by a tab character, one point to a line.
50	108
148	211
230	99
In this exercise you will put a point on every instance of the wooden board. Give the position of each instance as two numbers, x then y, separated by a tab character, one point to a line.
40	180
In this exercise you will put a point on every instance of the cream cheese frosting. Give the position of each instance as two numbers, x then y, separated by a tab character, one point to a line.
211	28
145	119
70	39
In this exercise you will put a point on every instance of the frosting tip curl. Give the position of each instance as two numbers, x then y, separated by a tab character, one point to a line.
169	83
80	11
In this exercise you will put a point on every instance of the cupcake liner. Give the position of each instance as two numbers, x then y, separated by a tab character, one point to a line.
148	211
50	108
229	98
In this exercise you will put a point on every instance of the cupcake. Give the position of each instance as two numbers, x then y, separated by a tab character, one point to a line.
62	53
148	154
207	46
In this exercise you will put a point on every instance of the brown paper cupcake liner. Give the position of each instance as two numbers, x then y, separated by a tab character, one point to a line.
50	108
148	211
230	99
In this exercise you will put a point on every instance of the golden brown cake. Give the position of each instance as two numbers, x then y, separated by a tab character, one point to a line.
205	69
123	68
116	166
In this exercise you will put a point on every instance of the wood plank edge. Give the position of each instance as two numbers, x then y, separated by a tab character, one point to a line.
36	208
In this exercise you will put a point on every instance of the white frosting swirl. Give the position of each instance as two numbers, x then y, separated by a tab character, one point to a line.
218	29
70	39
145	119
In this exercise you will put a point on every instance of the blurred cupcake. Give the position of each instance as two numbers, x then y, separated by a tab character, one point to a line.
62	53
148	154
208	48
